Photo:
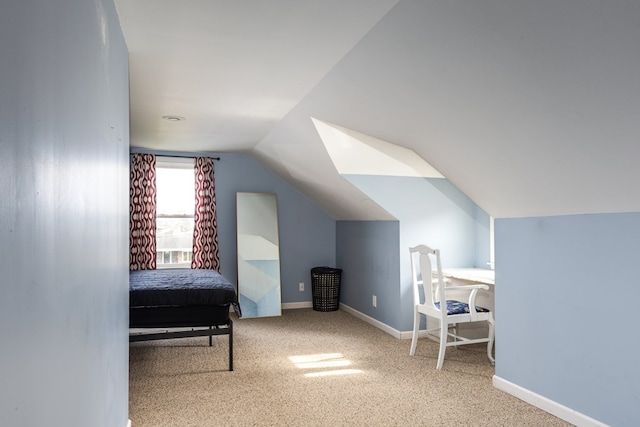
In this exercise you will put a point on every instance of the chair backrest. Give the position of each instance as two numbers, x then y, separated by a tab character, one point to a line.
423	259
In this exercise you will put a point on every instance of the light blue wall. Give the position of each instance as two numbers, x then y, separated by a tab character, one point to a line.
482	238
430	211
368	254
566	311
64	140
307	234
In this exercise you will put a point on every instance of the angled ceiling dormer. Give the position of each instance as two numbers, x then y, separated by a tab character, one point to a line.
354	153
394	177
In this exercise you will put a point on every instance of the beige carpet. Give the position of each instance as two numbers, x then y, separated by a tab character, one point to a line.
311	368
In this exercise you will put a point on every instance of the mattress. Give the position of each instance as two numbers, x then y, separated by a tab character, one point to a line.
180	287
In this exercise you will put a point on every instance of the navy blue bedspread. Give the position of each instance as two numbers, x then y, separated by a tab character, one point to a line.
180	287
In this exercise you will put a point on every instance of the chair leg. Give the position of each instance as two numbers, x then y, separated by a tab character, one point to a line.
444	332
416	328
455	334
492	335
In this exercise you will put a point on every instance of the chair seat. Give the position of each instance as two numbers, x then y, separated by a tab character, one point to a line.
458	307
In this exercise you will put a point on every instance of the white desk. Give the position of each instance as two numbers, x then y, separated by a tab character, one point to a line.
462	276
477	275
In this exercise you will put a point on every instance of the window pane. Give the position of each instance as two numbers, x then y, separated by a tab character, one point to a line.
175	191
174	236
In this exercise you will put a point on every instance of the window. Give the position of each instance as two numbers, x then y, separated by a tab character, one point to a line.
175	208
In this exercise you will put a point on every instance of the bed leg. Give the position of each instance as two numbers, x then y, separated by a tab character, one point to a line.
230	345
210	337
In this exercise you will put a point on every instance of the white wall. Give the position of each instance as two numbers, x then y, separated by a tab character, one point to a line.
63	214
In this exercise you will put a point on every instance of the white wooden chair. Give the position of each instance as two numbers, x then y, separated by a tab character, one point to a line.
435	291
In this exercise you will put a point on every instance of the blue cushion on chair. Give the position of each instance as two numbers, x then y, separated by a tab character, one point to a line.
457	307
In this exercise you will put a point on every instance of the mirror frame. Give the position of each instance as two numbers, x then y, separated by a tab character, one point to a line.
258	253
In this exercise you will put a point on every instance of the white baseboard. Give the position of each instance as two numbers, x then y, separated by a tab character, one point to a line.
129	423
378	324
402	335
294	305
383	326
547	405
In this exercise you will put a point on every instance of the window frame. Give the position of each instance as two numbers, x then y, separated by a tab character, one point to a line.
164	162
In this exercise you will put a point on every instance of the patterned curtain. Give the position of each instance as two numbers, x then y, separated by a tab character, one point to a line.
142	213
205	230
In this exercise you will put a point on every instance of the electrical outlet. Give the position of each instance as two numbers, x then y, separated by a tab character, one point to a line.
374	301
301	286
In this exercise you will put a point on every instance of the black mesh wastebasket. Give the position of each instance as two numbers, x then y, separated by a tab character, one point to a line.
325	287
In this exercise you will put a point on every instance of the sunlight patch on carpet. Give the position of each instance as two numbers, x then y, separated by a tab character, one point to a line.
333	373
324	361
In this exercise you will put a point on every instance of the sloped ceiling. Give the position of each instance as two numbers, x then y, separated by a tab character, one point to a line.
530	108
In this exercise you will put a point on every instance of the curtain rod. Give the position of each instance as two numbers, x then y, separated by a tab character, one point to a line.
184	154
188	156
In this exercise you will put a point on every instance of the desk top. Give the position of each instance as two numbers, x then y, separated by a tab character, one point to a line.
478	275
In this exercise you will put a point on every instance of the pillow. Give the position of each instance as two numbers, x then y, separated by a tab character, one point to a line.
457	307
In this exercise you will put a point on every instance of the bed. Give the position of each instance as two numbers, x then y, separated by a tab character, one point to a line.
181	298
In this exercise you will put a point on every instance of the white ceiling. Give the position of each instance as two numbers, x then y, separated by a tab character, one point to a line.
530	108
232	69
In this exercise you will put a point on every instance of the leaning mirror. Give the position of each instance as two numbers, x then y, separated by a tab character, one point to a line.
258	254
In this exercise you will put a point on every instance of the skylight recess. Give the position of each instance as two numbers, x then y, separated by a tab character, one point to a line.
354	153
